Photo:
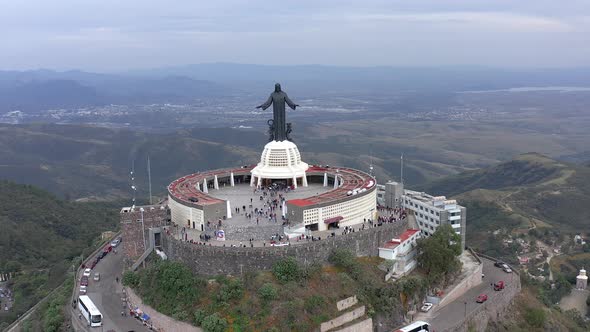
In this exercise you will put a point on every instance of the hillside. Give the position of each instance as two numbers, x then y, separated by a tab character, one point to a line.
40	237
532	187
90	162
93	163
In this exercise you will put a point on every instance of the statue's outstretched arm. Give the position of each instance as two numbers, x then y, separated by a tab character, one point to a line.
290	102
266	104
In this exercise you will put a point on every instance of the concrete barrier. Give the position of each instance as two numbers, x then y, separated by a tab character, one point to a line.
345	318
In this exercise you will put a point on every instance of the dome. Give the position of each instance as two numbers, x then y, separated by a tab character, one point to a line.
280	160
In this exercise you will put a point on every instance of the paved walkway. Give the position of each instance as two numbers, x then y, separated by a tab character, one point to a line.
161	321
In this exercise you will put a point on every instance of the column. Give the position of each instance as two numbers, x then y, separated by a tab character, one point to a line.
252	180
294	182
259	183
228	211
215	183
304	178
231	179
325	179
198	186
205	189
335	181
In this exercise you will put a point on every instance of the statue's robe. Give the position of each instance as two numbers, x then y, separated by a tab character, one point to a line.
278	100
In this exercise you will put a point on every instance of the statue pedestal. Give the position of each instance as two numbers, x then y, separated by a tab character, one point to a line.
279	160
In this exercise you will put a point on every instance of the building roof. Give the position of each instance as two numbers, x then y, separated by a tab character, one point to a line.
402	238
351	182
407	234
300	202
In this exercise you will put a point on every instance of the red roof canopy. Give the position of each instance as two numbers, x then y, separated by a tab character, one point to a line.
333	220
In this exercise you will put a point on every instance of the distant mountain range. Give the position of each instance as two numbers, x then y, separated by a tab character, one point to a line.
47	89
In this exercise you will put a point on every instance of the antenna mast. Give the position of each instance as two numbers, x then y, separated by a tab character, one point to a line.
149	169
370	163
133	187
402	168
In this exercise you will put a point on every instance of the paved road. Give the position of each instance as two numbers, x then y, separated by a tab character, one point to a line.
450	314
107	295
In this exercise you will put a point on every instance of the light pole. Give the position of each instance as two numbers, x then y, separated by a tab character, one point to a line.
465	308
142	229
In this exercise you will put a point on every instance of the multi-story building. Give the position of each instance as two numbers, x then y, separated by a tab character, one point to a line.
430	211
402	250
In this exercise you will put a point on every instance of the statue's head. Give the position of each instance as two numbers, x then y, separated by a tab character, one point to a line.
277	87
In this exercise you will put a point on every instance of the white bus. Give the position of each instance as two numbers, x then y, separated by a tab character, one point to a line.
89	311
418	326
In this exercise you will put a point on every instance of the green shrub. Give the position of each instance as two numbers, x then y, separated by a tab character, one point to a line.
130	279
267	292
535	317
199	316
287	270
231	290
346	260
214	323
313	303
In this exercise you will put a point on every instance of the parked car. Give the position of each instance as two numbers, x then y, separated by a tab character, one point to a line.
499	285
94	263
499	264
84	281
481	298
96	276
86	273
115	242
83	290
102	254
426	306
506	268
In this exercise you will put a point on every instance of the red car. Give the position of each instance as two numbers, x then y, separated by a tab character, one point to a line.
481	298
499	285
84	281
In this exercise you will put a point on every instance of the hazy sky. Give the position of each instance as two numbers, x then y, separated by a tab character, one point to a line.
123	34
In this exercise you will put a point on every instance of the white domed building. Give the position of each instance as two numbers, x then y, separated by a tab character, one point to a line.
280	160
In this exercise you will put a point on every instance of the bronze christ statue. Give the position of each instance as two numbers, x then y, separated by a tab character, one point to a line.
278	99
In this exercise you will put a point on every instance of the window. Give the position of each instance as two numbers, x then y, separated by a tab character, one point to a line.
431	211
437	214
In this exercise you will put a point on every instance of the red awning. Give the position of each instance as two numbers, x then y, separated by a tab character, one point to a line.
333	220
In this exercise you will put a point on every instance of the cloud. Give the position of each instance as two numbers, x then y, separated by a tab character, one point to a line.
497	20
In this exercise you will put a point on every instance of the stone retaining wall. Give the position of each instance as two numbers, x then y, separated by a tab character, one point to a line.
216	260
245	233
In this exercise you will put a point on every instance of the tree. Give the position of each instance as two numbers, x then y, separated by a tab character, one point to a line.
437	255
287	270
267	292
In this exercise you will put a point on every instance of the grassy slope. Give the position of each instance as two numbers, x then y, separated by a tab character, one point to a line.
40	236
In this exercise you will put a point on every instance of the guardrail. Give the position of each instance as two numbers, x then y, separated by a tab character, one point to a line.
28	313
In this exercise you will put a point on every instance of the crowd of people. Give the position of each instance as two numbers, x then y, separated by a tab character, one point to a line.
390	215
